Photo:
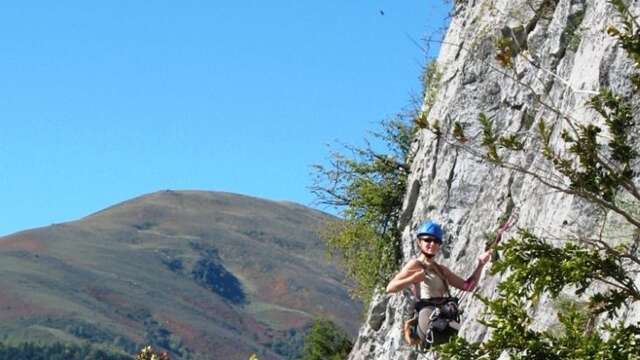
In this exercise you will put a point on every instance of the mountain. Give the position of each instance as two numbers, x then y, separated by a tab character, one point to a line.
191	272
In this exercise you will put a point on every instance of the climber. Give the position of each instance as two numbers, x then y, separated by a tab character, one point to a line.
436	309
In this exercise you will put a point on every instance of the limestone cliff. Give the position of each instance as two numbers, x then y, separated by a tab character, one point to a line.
566	56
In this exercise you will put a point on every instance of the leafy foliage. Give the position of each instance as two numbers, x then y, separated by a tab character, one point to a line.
591	172
289	346
575	340
431	79
543	268
505	52
458	132
326	341
492	142
421	121
488	138
618	116
535	267
368	188
367	256
629	36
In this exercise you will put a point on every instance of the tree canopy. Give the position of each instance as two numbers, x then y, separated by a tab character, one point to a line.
368	187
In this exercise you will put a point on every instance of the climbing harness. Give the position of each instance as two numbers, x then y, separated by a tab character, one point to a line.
442	319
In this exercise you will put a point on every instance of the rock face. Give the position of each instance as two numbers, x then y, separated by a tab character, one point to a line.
565	56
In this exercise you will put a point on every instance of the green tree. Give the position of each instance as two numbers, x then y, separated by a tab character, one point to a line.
368	187
326	341
601	273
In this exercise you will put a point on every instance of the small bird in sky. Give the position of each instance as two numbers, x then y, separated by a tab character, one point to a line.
382	12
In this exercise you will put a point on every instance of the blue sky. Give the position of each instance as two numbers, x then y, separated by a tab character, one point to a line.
104	101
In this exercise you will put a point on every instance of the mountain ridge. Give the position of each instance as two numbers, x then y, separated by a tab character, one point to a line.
219	263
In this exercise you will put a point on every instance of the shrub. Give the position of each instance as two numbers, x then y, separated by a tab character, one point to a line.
147	353
326	341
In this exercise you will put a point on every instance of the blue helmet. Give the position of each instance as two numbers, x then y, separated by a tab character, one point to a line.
431	228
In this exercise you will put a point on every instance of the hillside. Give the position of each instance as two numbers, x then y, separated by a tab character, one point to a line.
192	272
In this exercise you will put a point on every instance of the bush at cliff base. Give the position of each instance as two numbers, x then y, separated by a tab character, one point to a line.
326	341
149	354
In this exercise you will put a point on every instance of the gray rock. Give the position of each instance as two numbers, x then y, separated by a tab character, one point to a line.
468	196
378	313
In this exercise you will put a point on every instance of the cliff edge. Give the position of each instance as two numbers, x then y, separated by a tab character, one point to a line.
565	57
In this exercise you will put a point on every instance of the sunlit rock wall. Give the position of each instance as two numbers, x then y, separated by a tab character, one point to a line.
568	57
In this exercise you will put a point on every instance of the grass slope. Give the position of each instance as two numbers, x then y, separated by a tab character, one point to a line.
189	271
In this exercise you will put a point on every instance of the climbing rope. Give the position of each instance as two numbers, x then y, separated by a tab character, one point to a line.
507	225
513	218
